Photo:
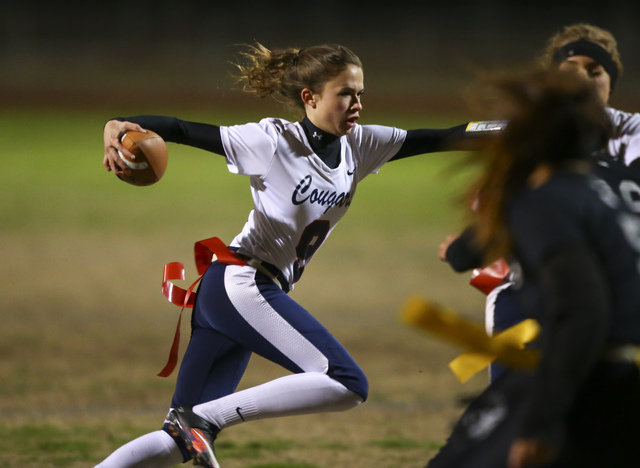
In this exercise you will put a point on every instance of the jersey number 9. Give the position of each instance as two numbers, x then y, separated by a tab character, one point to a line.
310	241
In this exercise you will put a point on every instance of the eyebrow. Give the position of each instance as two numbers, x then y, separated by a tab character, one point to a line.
350	88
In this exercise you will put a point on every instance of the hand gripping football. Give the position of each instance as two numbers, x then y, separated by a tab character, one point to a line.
151	158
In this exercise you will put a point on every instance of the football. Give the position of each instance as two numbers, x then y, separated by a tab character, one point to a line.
151	159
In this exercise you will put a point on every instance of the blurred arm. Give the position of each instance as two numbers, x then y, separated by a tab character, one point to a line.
461	252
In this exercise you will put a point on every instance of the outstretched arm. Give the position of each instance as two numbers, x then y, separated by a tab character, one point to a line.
466	137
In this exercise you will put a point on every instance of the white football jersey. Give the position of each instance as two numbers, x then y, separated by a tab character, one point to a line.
297	198
624	145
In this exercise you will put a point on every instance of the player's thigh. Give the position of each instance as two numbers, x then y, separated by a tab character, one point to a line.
300	338
211	367
280	328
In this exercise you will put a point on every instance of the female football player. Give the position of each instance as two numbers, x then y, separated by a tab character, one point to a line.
592	52
578	247
303	179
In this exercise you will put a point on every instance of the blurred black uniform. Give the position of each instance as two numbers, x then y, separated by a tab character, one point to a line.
462	255
578	246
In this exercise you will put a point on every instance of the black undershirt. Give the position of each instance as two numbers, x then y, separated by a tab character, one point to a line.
326	145
427	140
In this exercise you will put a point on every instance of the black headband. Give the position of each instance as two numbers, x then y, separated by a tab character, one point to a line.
589	49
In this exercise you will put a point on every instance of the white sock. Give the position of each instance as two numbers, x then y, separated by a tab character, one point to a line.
306	393
154	450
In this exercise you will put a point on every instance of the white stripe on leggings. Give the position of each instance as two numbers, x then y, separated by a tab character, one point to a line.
251	305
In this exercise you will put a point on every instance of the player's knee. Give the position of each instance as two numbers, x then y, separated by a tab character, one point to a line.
351	400
355	381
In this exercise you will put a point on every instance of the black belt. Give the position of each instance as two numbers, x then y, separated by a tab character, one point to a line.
267	268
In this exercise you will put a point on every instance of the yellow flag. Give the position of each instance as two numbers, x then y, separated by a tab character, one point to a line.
507	347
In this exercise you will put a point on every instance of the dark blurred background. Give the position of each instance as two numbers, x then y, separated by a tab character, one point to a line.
418	56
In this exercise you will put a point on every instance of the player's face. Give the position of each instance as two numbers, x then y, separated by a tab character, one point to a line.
337	107
592	71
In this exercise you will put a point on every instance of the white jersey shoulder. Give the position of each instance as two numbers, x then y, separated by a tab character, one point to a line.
373	145
251	146
624	145
297	198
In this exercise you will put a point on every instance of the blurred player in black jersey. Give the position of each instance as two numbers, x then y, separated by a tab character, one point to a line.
578	247
592	53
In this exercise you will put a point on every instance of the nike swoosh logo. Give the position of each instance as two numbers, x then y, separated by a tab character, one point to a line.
351	172
240	414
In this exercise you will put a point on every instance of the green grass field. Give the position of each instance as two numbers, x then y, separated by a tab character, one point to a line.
85	327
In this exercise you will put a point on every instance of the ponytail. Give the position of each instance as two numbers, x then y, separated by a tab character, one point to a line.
284	73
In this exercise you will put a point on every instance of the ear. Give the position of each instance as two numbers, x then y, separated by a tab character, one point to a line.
308	98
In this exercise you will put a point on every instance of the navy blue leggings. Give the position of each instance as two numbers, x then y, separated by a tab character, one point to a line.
239	311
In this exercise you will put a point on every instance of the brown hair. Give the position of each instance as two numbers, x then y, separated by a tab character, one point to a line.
284	73
585	32
553	118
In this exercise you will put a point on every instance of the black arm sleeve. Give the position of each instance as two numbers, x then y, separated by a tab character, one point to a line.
462	254
577	321
172	129
430	141
470	136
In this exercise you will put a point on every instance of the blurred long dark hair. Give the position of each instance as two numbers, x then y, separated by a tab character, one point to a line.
553	118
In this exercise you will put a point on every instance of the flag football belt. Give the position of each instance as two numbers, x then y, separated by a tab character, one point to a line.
267	269
204	251
258	265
